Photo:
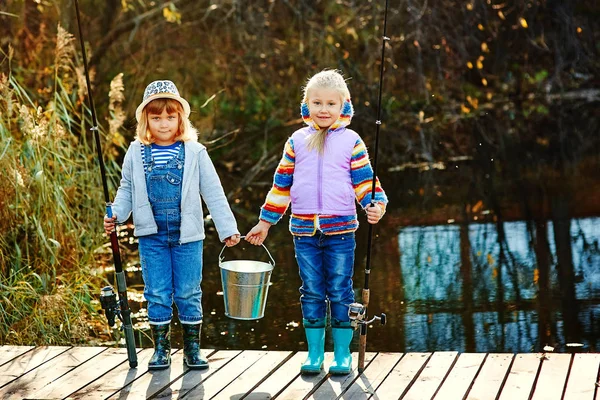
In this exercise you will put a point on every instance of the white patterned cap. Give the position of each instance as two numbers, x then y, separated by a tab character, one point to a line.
161	90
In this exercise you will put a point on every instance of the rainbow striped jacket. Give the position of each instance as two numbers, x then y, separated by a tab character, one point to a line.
322	189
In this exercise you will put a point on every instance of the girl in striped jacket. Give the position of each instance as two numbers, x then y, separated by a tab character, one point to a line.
324	171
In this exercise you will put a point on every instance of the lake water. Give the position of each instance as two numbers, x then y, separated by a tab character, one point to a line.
445	287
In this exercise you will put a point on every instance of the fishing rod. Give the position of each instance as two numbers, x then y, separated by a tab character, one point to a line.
108	299
358	311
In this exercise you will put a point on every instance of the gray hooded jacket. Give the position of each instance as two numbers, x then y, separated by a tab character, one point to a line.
199	179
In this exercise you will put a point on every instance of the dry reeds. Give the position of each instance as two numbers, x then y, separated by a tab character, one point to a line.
51	205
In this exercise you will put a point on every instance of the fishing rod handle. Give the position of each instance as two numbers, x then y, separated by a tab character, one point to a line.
362	348
221	258
366	294
130	343
109	213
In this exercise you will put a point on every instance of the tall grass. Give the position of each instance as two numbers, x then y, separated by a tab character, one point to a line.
51	205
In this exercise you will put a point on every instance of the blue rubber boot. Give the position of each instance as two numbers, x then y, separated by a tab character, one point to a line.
315	336
342	334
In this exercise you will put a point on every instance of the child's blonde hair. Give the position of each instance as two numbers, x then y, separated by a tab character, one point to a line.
186	131
328	79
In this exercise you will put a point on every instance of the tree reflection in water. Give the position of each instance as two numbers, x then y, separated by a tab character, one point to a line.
451	287
534	311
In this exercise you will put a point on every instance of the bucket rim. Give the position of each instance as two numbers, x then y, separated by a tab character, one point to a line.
272	261
262	266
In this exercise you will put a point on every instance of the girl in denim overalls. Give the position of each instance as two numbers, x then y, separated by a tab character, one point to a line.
165	172
325	169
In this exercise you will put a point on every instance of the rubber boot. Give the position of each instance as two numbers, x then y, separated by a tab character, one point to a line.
191	347
161	359
342	334
315	337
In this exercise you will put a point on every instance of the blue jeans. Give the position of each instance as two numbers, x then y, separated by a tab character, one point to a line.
326	265
171	271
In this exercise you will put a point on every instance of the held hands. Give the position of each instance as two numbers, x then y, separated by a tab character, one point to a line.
258	234
374	213
109	224
232	240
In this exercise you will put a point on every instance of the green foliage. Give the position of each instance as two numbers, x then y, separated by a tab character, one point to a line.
50	209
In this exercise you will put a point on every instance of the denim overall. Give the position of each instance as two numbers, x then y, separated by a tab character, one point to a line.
171	271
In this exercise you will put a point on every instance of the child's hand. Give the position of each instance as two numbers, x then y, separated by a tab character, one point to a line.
374	213
232	240
109	224
258	234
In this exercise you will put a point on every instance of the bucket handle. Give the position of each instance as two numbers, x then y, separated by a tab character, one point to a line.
221	258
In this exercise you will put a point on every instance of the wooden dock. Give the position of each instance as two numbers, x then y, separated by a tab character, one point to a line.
58	372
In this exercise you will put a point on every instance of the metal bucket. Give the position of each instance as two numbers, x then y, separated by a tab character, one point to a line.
245	286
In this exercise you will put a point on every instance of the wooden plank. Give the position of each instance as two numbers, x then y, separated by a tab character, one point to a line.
36	379
279	379
337	384
152	382
253	375
521	377
553	377
7	353
115	380
375	373
83	375
582	379
226	375
193	378
402	376
27	362
432	376
488	382
302	385
460	378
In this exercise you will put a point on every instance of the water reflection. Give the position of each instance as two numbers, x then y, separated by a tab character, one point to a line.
494	305
452	287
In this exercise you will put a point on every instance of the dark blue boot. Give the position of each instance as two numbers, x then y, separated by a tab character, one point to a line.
191	347
315	337
161	359
342	334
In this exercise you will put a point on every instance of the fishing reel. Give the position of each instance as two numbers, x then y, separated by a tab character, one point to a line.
357	311
108	301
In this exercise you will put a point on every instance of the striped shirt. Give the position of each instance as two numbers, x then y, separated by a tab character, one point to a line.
162	154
